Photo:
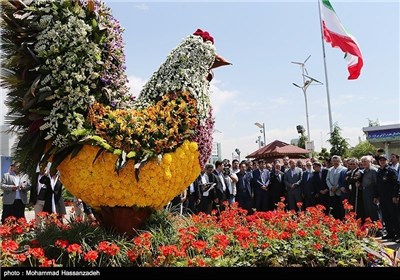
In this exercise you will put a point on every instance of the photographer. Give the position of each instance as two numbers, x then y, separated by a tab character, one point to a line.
15	186
230	181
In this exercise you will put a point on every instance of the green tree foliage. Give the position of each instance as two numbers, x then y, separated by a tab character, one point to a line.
340	146
302	141
362	149
324	154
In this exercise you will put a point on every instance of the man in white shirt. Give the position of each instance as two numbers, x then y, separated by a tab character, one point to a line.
15	186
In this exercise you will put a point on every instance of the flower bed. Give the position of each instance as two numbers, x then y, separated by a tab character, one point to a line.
232	238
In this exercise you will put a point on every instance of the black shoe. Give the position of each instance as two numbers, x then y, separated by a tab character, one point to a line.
378	234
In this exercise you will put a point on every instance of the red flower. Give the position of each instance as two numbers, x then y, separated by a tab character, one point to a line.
5	231
109	249
197	262
302	233
91	256
34	243
132	255
199	245
9	245
318	246
205	35
37	253
74	248
169	250
61	243
214	253
20	257
317	232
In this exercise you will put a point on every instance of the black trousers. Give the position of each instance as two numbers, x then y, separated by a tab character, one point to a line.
17	209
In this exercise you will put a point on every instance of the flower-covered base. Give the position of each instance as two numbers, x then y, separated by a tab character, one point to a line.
124	220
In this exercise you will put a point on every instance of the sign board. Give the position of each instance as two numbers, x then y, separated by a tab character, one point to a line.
310	146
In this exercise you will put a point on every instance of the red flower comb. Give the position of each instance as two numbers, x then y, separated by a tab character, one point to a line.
205	35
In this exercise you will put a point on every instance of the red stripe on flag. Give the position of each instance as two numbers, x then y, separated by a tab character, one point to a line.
347	45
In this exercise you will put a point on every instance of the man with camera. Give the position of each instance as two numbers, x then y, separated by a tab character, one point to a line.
15	186
230	180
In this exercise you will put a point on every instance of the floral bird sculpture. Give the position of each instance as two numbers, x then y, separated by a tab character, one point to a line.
69	102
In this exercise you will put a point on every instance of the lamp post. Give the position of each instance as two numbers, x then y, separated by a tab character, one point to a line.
259	141
307	81
262	126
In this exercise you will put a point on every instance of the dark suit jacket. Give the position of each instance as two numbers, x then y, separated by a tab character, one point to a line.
276	184
288	179
34	195
58	199
320	183
219	187
307	185
196	185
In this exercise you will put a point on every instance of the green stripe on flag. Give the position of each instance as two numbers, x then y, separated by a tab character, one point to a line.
328	5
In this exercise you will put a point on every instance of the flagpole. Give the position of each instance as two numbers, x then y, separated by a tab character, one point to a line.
325	68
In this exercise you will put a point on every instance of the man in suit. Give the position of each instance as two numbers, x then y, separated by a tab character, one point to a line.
320	186
193	197
276	186
54	202
38	191
208	194
15	186
259	183
292	180
244	192
307	186
335	182
221	187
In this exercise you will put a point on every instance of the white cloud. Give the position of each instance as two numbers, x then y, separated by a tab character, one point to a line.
136	84
219	97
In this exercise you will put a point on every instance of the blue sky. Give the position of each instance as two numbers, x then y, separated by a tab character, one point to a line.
261	39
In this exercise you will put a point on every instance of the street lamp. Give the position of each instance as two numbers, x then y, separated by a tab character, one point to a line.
262	126
307	81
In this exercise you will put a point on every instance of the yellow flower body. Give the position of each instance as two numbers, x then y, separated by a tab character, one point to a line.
98	184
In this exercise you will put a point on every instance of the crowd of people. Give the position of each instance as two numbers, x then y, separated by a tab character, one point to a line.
370	184
45	194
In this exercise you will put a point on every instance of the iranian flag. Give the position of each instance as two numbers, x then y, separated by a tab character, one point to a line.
336	35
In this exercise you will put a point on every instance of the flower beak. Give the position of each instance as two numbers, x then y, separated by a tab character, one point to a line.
220	61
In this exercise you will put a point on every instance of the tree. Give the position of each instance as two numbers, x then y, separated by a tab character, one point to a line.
340	146
324	154
362	149
302	141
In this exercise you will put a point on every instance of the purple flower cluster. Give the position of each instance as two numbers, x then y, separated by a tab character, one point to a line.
203	137
113	77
